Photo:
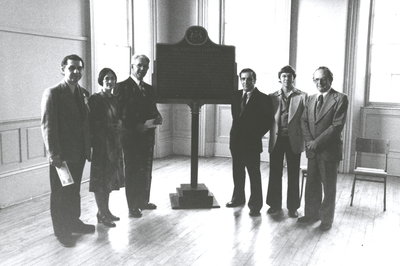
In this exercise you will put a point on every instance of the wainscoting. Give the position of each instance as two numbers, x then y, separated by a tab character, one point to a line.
23	164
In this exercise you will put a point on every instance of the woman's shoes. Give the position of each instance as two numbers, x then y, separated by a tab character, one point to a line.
112	217
103	219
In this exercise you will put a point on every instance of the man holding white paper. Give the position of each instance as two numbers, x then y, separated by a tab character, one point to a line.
140	117
65	130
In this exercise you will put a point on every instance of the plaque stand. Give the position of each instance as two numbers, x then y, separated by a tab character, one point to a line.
193	195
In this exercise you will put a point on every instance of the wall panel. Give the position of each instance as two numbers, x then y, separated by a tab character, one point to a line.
10	146
35	147
382	123
164	132
182	129
21	145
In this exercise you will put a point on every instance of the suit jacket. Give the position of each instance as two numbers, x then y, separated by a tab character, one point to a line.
249	126
296	107
326	127
65	123
136	108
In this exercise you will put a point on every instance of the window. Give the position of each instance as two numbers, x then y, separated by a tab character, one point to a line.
260	31
384	53
111	38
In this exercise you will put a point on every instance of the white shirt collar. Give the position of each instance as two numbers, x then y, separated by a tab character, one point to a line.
249	93
325	93
71	87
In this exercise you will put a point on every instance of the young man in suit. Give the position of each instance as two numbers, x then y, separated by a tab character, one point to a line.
252	118
285	139
322	123
65	130
140	117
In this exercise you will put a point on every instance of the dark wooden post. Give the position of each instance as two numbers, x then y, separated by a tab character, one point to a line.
195	109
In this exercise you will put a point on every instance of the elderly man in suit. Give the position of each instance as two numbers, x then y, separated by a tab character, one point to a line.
322	122
65	130
252	118
140	117
285	139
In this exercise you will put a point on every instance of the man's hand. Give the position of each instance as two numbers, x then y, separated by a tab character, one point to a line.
56	161
149	124
311	145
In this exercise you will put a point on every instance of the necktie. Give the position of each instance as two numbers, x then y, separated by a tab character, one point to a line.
141	87
243	102
320	102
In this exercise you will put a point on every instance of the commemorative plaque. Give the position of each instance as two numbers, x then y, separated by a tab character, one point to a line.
195	69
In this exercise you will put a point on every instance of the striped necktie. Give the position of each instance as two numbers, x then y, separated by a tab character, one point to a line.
320	102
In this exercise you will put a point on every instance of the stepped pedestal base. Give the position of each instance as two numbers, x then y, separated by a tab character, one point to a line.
193	198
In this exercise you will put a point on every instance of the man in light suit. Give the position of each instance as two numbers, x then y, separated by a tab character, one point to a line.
285	138
65	130
322	122
140	117
252	118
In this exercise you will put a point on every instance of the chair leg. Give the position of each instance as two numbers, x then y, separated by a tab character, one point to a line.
352	190
384	194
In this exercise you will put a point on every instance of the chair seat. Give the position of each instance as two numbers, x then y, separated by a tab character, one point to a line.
370	171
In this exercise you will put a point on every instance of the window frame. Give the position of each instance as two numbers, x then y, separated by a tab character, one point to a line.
368	102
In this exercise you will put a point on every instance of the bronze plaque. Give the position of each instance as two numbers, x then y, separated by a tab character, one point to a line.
195	69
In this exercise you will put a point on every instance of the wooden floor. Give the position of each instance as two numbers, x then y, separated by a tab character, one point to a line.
361	235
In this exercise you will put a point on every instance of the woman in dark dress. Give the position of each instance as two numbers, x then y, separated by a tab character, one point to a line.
106	172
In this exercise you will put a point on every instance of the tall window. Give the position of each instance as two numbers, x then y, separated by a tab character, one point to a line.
260	31
111	38
384	68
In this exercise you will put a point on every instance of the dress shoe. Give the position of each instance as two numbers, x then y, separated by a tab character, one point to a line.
112	217
149	206
273	211
82	228
65	239
325	226
254	213
233	204
136	213
104	219
293	213
307	219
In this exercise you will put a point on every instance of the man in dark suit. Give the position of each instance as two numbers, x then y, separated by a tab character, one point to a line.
65	130
322	123
140	118
285	139
252	118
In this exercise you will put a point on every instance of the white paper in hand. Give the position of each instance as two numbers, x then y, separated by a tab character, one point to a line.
64	174
150	123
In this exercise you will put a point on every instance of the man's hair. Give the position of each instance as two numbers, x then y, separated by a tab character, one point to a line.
103	73
71	57
248	70
327	72
137	56
287	69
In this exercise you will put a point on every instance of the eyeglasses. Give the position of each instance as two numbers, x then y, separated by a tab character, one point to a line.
141	66
320	80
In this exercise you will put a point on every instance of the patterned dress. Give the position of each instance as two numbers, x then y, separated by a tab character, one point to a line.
107	171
